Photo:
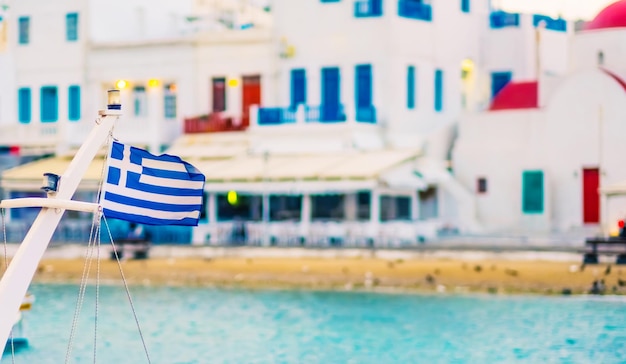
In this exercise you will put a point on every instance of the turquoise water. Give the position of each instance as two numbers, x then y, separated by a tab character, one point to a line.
191	325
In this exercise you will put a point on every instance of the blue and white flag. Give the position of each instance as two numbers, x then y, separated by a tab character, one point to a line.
149	189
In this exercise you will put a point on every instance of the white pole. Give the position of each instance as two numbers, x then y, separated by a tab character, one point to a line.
18	276
266	201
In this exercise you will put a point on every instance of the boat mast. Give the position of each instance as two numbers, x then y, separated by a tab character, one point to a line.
21	270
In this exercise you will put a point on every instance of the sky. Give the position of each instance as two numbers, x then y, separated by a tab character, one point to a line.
569	9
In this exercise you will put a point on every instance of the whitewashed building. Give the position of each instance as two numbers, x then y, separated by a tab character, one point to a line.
551	141
342	132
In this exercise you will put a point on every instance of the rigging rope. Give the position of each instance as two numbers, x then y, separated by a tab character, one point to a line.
81	292
6	266
130	300
95	326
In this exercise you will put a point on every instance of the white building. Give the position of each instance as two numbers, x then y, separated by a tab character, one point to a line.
350	125
537	159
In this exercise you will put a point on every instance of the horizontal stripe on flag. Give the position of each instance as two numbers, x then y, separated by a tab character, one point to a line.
156	205
142	219
169	179
148	196
158	214
160	186
165	165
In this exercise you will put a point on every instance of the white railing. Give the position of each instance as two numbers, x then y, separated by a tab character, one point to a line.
321	233
28	135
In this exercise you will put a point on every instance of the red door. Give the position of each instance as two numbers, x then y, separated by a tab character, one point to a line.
591	197
251	96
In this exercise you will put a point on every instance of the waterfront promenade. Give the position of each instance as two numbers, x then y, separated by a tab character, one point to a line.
428	268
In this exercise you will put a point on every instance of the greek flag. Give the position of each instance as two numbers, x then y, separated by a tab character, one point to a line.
149	189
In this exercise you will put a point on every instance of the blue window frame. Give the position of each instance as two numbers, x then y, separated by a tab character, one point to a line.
438	90
298	87
71	27
24	105
23	30
140	101
368	8
410	87
499	80
465	6
501	19
415	9
49	104
169	101
558	24
73	98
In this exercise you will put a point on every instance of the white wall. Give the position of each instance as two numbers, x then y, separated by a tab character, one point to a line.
587	44
584	125
137	65
581	127
498	146
123	20
8	91
49	59
233	55
389	43
515	49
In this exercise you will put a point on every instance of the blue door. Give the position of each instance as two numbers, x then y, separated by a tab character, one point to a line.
298	87
331	94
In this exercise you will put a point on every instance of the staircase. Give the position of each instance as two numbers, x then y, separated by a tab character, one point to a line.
436	172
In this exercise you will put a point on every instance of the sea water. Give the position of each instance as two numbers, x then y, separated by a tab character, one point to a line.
199	325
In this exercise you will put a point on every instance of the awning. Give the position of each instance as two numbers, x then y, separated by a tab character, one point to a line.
29	176
292	187
332	166
320	173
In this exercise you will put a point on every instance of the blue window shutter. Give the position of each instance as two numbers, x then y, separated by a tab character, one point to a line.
499	80
169	101
532	192
363	86
298	87
410	87
438	90
74	103
23	30
71	27
49	104
465	6
24	105
331	108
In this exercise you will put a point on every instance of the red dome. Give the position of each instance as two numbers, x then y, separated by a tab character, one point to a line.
613	16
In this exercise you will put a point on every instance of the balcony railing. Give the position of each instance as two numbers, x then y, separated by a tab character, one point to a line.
325	114
276	116
415	9
30	135
366	114
368	8
559	25
211	123
501	19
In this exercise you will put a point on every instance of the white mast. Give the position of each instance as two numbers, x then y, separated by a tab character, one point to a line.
19	274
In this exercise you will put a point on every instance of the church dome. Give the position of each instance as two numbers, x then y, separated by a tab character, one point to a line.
613	16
